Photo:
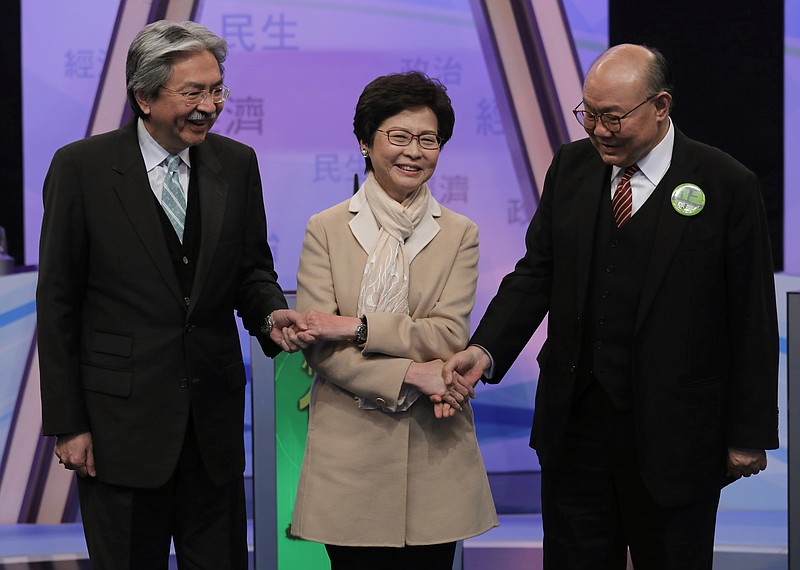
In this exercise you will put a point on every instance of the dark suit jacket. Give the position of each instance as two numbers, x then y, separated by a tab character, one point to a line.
705	348
121	353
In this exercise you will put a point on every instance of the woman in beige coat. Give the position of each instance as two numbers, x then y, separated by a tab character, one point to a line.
388	280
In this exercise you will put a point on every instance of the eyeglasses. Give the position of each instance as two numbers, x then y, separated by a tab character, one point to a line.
612	122
218	95
399	137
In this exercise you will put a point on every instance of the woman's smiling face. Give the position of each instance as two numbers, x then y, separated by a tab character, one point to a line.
400	170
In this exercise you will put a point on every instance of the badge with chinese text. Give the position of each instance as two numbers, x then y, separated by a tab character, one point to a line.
688	199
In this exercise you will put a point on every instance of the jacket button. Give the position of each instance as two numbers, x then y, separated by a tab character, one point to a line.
187	300
572	369
184	383
380	401
185	260
189	328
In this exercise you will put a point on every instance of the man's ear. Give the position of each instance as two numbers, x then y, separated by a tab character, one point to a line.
663	103
143	101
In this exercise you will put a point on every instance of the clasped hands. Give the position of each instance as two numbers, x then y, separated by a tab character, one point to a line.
294	331
460	374
448	385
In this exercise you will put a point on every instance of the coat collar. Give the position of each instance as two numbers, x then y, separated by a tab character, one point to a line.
594	180
671	225
133	191
213	192
365	228
669	228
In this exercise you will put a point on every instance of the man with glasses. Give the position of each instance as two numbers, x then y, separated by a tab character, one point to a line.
649	253
153	235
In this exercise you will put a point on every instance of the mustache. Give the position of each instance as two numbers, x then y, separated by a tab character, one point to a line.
200	116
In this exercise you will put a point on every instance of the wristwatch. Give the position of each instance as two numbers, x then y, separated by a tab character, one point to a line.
266	326
361	331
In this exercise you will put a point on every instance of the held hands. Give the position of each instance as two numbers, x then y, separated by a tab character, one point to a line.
288	330
294	331
324	326
460	375
448	386
465	368
427	378
745	462
76	453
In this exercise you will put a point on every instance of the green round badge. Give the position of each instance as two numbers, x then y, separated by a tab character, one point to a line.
688	199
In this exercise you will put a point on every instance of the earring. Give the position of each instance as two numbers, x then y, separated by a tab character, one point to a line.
364	152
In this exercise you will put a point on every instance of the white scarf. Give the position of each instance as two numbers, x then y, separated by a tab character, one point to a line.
384	283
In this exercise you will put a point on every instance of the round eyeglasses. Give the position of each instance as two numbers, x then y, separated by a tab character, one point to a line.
399	137
218	95
613	123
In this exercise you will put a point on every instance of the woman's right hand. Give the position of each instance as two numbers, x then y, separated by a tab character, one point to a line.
427	378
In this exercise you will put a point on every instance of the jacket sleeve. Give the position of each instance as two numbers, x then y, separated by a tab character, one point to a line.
258	292
63	253
444	329
523	297
753	325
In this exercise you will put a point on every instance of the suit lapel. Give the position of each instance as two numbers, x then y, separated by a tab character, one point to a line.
426	230
213	192
595	180
670	225
133	191
363	224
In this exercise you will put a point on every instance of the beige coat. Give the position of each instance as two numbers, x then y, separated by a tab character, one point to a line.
376	477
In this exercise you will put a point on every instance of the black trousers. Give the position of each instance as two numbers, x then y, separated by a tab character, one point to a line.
429	557
596	505
129	528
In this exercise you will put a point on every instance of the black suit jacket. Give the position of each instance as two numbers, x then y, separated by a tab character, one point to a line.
122	352
705	348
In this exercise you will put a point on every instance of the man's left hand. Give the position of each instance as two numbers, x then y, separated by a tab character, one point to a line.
744	462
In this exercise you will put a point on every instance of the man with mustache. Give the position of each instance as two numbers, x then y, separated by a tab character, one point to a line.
153	235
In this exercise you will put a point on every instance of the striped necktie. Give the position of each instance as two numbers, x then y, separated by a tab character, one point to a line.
172	199
623	197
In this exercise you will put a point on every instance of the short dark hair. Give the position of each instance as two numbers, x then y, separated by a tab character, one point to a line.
389	95
154	50
659	77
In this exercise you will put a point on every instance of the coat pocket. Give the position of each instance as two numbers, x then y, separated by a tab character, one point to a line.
235	376
112	382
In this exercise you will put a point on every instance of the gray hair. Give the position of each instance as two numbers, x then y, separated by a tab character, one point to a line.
156	47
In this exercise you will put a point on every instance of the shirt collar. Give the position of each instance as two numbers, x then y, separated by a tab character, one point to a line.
152	152
655	164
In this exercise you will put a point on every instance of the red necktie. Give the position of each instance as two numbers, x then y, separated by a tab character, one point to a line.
623	197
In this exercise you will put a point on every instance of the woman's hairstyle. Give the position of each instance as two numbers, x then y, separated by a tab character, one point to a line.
155	49
389	95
